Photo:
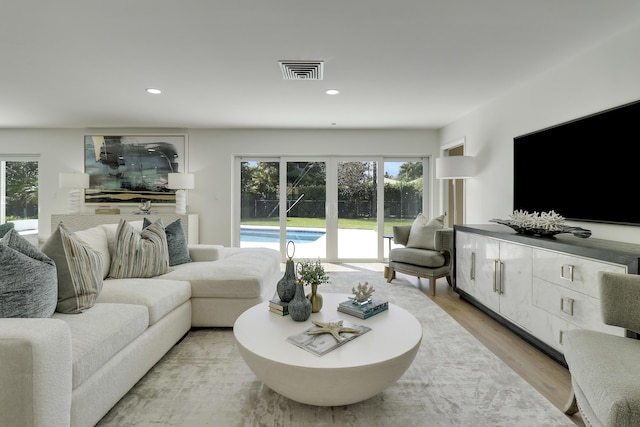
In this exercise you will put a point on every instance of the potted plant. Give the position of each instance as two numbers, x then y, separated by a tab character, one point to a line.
312	273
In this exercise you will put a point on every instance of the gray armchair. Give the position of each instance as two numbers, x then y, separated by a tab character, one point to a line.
605	368
419	262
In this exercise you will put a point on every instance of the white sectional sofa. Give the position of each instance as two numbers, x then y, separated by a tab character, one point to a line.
70	369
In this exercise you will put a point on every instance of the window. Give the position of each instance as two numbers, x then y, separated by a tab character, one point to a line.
332	207
19	193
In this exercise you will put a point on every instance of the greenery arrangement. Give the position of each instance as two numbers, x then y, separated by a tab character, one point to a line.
312	272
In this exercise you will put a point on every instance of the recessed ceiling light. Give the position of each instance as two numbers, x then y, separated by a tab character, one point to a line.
332	92
154	91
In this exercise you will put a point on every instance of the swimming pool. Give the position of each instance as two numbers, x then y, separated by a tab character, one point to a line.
272	235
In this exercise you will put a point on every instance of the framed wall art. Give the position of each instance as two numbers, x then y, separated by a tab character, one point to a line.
132	168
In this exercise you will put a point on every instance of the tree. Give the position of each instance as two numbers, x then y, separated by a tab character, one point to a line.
409	171
352	178
261	180
22	189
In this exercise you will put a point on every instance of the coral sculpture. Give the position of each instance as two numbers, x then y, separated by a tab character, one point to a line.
544	220
363	293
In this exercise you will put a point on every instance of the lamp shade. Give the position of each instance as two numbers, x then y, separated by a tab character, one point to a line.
74	180
181	181
455	167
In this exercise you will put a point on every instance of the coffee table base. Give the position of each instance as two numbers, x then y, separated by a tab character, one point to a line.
328	387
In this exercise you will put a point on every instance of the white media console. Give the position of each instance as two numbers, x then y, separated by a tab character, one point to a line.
539	287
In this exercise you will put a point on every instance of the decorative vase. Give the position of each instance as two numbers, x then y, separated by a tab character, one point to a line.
315	298
299	306
287	285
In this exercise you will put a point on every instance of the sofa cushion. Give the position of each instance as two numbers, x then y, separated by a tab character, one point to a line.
79	270
139	254
28	281
176	242
240	274
6	227
423	232
98	334
159	296
421	257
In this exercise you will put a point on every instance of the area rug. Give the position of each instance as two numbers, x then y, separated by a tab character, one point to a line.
454	381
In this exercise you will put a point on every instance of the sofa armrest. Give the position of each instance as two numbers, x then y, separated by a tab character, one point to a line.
199	252
35	372
401	234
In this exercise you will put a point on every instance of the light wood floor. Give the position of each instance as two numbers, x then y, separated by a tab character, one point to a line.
547	376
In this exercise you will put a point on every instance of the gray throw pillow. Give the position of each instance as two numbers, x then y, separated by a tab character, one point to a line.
423	232
79	270
6	227
139	254
28	283
176	242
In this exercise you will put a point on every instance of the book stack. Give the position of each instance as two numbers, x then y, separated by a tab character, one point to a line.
102	210
363	311
278	307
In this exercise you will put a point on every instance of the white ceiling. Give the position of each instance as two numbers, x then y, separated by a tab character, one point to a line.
397	63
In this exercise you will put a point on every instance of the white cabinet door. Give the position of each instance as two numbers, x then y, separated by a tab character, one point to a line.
487	257
515	283
497	274
465	261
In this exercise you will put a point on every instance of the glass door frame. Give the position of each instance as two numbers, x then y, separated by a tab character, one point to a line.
331	208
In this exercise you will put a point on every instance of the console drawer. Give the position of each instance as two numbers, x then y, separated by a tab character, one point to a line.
572	272
580	310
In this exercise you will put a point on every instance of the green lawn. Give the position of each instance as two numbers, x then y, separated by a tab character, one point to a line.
362	224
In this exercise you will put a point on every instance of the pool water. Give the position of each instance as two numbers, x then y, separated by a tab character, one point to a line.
272	235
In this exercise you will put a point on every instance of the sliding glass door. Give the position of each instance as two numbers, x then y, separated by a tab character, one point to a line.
332	208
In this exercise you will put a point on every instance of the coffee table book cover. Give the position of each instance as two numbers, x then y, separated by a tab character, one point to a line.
324	343
365	310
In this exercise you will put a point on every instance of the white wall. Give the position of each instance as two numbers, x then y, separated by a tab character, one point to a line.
604	77
210	154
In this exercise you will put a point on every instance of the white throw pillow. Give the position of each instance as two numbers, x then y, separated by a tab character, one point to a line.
423	232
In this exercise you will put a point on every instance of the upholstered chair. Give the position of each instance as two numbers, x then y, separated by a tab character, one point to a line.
605	368
427	251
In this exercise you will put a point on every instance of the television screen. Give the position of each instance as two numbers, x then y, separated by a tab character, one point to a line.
585	170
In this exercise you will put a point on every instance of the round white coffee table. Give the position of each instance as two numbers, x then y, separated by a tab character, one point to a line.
356	371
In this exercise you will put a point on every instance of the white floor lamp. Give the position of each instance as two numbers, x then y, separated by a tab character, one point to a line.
455	167
181	182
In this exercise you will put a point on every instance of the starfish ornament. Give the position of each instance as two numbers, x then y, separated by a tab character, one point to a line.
333	328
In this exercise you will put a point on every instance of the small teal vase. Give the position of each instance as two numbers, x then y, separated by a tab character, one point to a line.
287	285
299	306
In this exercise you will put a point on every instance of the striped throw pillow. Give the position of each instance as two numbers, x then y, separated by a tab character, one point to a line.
139	254
79	269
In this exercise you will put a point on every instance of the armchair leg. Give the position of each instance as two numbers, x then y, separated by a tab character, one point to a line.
571	407
391	275
449	281
432	286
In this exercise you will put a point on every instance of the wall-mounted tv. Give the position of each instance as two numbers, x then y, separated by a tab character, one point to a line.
585	170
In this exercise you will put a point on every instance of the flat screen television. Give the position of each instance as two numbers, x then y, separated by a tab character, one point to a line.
585	170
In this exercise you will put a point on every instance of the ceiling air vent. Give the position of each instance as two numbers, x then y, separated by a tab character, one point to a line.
301	70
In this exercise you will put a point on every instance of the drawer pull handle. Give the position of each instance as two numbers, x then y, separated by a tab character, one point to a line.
497	276
566	305
472	272
569	275
560	337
